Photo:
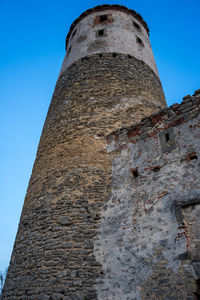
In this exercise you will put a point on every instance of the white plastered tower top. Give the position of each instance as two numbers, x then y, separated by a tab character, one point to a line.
109	29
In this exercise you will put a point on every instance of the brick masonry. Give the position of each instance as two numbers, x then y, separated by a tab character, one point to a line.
55	252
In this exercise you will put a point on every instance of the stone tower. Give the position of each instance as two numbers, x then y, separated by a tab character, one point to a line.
108	80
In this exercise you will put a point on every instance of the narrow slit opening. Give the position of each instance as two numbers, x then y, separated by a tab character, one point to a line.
139	41
135	172
69	50
73	34
156	169
167	137
136	25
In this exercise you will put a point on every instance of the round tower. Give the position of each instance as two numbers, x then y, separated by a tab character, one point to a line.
108	80
109	29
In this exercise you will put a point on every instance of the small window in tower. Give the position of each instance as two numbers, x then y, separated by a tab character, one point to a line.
101	32
139	41
73	34
134	172
137	26
69	50
103	18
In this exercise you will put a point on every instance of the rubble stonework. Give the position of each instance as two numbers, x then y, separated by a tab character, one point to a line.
149	238
72	173
111	210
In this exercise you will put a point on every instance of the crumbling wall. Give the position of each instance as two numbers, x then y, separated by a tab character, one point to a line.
149	238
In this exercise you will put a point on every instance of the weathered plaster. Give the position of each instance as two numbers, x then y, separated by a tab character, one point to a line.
120	37
140	241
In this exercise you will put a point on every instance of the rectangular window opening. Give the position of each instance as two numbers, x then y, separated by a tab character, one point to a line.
136	25
101	32
103	18
139	41
167	140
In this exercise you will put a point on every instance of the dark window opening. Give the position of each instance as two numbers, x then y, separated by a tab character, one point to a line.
136	25
139	41
114	54
189	157
193	156
135	172
85	58
101	32
156	169
167	139
103	18
69	50
73	34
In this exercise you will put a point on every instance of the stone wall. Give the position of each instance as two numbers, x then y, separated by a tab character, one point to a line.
112	210
122	32
53	255
148	243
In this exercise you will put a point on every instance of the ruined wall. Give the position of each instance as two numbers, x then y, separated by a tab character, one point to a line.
148	242
53	255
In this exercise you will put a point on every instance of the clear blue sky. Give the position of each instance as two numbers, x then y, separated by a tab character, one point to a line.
32	49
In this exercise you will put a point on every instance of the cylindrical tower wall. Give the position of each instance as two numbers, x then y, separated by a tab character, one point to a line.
109	31
53	255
